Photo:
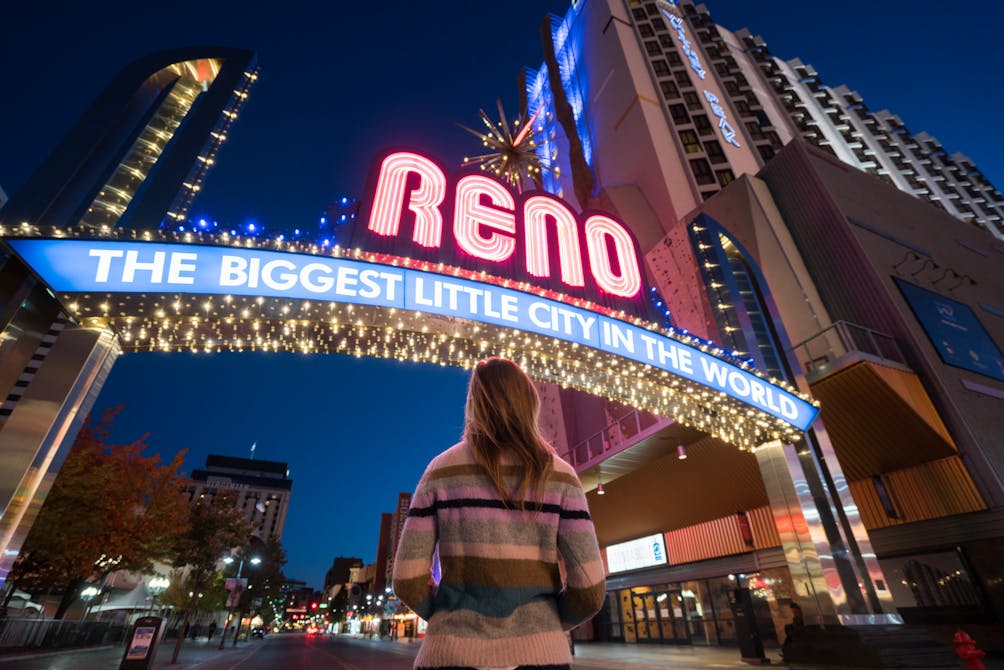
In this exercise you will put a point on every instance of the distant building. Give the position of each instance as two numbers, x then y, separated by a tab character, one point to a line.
3	198
263	489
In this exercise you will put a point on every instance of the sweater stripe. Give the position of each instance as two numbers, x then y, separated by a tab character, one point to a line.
496	504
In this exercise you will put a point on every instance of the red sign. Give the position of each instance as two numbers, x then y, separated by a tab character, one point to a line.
482	225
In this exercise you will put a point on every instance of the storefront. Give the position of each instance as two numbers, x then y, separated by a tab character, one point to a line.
697	608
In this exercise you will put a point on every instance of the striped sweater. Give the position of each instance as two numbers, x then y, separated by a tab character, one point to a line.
500	601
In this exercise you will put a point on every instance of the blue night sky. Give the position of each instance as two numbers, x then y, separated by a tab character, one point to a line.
335	88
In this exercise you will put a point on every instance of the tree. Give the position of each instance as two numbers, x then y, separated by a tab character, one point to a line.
265	579
110	508
214	529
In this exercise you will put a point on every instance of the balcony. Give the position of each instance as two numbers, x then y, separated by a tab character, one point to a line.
877	412
843	344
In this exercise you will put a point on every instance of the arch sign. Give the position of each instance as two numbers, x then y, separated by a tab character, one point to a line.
442	272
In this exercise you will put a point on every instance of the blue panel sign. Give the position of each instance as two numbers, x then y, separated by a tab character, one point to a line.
82	266
954	330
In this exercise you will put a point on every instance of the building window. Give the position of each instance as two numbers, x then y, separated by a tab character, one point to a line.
754	130
646	30
930	581
666	41
674	59
653	48
731	87
725	177
660	67
742	107
714	151
766	151
690	142
681	77
652	10
702	124
702	171
669	90
679	113
693	102
639	14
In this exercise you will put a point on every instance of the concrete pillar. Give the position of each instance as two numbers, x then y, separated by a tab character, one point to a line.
51	402
836	575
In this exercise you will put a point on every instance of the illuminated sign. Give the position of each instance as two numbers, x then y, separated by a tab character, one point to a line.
99	266
478	223
956	333
723	123
728	132
681	34
644	552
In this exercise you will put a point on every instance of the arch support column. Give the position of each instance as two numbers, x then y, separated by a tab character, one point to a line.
835	573
50	403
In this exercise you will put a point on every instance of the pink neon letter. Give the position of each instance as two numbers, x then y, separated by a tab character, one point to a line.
388	201
628	282
471	216
536	211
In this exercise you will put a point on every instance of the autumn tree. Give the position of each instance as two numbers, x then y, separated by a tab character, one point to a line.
110	508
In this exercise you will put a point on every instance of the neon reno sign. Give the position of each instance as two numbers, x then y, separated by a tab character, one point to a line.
489	229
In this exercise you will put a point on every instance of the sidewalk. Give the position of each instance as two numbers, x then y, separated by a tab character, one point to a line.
193	655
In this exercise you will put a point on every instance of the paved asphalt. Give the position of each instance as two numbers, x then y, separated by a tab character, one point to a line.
300	652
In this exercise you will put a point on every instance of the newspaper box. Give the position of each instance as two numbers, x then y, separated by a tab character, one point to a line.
141	645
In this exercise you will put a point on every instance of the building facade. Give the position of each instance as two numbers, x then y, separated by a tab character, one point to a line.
262	488
136	158
717	104
770	209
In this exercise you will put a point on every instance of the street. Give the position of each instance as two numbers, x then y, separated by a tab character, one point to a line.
290	651
301	652
296	651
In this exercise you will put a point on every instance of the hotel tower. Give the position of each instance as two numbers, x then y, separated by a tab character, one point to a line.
781	218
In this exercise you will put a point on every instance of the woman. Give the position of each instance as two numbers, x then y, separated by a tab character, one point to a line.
503	511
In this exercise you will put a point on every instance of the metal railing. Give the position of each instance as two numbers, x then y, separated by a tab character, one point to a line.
820	353
612	438
27	633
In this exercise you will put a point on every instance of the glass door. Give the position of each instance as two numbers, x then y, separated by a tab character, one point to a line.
672	613
678	608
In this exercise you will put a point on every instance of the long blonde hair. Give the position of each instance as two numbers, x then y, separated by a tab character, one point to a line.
501	416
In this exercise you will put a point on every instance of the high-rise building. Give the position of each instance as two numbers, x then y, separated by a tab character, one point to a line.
137	157
770	209
704	104
263	489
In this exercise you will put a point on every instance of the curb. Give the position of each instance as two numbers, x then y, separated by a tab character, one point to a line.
61	652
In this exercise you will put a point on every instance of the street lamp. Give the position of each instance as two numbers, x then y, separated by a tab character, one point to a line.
155	587
87	595
254	560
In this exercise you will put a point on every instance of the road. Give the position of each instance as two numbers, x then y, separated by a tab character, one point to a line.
299	652
286	651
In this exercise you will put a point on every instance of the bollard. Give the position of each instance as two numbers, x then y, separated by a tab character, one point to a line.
965	648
